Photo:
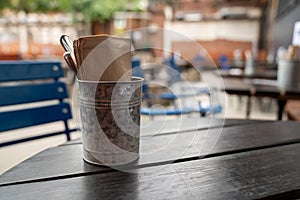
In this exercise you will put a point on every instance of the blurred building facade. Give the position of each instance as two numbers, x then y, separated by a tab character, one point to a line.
220	26
35	36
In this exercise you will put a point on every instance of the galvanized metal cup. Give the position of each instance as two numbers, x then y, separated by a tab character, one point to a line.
110	117
288	74
250	67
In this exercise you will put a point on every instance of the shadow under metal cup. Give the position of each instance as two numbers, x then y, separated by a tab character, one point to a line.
110	117
288	74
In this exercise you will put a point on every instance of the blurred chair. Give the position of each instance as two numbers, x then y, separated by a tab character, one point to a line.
177	109
224	62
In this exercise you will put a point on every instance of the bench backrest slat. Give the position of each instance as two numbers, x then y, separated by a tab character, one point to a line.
29	70
27	93
34	116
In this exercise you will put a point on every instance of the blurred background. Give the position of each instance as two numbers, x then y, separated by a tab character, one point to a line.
226	29
30	29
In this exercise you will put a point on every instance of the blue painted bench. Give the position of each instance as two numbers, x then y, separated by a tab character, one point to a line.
23	82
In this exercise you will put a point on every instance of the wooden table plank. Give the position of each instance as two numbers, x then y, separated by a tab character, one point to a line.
258	88
188	124
236	86
213	142
160	127
160	149
239	73
248	175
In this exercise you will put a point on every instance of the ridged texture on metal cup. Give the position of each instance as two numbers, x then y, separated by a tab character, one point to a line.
110	116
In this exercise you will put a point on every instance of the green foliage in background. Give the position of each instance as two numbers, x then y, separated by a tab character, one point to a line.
36	5
91	9
4	3
101	10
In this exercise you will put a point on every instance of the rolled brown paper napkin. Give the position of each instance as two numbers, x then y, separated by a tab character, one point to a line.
103	58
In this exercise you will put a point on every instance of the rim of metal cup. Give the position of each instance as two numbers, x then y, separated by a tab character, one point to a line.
133	80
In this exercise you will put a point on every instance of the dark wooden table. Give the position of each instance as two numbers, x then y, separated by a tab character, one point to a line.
239	73
260	88
180	159
262	71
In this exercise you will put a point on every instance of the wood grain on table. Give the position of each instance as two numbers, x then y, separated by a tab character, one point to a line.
199	159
